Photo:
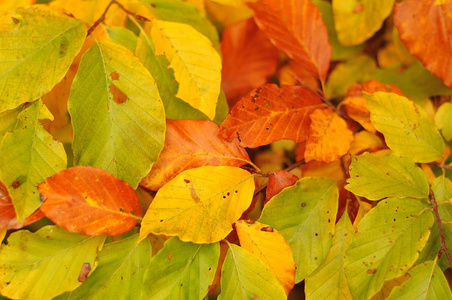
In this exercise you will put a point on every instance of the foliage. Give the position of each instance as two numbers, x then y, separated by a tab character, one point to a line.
144	157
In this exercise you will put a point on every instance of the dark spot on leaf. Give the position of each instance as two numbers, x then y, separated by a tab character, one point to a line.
15	20
48	237
15	184
63	47
122	278
329	221
257	108
236	191
228	194
133	213
86	268
170	256
152	4
358	8
42	197
303	204
161	220
250	221
210	269
187	181
316	234
224	197
267	229
181	284
371	271
114	76
121	209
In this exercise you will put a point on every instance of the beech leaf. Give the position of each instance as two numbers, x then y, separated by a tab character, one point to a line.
200	205
91	201
443	120
191	144
277	181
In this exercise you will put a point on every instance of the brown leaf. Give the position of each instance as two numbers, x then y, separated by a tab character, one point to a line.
191	144
249	59
425	27
91	201
269	114
297	29
86	268
277	181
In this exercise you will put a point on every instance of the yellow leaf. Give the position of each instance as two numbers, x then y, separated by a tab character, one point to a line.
200	205
270	247
7	5
196	63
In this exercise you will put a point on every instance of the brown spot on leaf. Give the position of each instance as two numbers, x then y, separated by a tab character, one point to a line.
371	271
86	268
170	256
267	229
15	20
358	8
303	204
118	96
15	184
250	221
42	197
187	181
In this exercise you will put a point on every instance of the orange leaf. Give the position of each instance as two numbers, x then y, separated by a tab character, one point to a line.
249	59
297	29
191	144
90	200
294	74
277	181
269	246
269	114
425	27
329	137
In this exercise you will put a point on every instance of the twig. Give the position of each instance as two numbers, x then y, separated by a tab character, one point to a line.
440	227
444	166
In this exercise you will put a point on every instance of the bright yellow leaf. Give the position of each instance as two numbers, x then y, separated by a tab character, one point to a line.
200	205
196	63
7	5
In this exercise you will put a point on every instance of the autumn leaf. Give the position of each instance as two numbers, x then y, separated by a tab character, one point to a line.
191	144
277	181
297	29
270	113
249	59
188	206
443	120
329	137
270	247
90	200
418	21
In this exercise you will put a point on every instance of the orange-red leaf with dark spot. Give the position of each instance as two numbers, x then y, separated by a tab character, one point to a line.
271	113
277	181
91	201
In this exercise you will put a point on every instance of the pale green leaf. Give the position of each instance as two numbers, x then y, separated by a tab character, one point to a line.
46	263
443	120
358	20
181	270
244	276
123	136
8	120
386	244
119	273
305	214
123	36
196	64
376	176
407	129
328	281
28	155
427	281
38	45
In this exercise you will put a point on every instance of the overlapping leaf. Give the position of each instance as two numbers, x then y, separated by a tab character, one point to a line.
249	59
181	270
125	134
196	64
270	113
379	250
305	214
443	120
277	181
46	263
28	155
297	29
90	200
407	128
200	205
244	276
270	247
418	21
38	45
191	144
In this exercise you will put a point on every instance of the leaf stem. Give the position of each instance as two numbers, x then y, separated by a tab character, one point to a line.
444	166
440	227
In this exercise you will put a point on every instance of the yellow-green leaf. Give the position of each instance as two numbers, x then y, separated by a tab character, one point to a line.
443	120
117	114
46	263
200	205
38	45
196	64
407	129
358	20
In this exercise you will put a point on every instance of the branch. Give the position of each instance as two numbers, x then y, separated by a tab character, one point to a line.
440	227
444	166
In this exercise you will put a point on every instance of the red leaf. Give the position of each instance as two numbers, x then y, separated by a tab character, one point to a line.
297	29
269	114
249	59
425	27
191	144
90	200
277	181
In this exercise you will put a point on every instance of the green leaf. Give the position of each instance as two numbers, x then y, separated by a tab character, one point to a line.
46	263
443	120
181	270
407	129
386	245
358	20
38	45
8	120
119	273
427	282
328	281
244	276
126	133
375	177
28	155
123	36
305	214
